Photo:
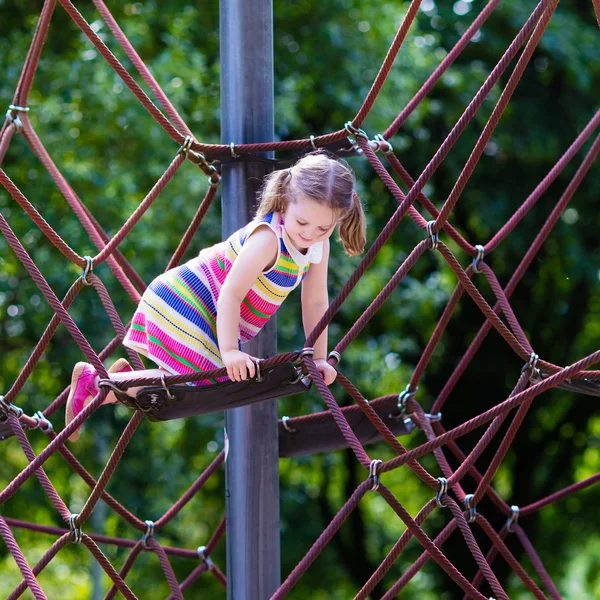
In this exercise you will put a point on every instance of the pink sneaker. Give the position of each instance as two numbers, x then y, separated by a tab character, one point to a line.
83	389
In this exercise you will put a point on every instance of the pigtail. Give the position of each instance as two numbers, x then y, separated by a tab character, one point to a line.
353	228
273	197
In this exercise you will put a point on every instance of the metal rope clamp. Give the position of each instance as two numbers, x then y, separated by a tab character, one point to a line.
259	375
472	516
433	236
201	552
16	121
480	254
287	426
186	146
6	409
353	134
89	265
512	520
535	375
335	354
200	160
378	141
170	396
75	529
442	491
373	474
217	175
434	417
148	534
304	352
38	416
404	396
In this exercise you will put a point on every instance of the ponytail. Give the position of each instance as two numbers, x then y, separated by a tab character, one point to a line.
274	193
353	228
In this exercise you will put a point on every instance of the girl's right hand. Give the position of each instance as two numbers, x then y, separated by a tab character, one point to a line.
239	365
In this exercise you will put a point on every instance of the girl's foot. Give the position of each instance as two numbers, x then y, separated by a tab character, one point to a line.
84	388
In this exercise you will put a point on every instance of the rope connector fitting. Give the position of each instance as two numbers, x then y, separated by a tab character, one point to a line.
353	133
234	154
404	396
480	254
214	175
186	146
442	491
39	416
312	142
535	374
148	534
89	266
335	354
514	517
214	178
434	417
382	143
165	387
259	374
75	529
472	516
201	552
6	408
287	426
433	236
16	121
306	352
373	474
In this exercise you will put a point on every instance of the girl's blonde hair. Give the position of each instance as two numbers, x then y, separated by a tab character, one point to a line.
327	181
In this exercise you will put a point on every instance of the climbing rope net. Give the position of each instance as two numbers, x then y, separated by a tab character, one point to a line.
536	376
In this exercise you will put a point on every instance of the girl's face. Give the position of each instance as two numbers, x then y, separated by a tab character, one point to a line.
308	222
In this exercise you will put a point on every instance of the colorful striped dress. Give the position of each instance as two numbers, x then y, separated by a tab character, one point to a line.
175	324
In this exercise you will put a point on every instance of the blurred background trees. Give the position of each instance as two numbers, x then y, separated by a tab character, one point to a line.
327	55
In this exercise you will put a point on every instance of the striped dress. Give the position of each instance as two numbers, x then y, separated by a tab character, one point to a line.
175	324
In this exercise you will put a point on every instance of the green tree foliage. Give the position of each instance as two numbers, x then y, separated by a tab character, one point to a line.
327	55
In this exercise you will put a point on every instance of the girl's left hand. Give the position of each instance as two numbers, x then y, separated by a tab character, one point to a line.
328	372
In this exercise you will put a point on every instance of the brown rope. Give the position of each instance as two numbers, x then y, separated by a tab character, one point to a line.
438	438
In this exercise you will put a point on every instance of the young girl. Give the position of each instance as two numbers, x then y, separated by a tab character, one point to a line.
195	317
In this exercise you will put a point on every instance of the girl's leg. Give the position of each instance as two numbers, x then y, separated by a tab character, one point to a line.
84	386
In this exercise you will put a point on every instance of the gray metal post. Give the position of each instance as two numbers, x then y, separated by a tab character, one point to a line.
252	469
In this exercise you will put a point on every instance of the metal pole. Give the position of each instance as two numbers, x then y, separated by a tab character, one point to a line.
252	469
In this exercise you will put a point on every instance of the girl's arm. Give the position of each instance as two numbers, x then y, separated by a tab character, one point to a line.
258	253
315	301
